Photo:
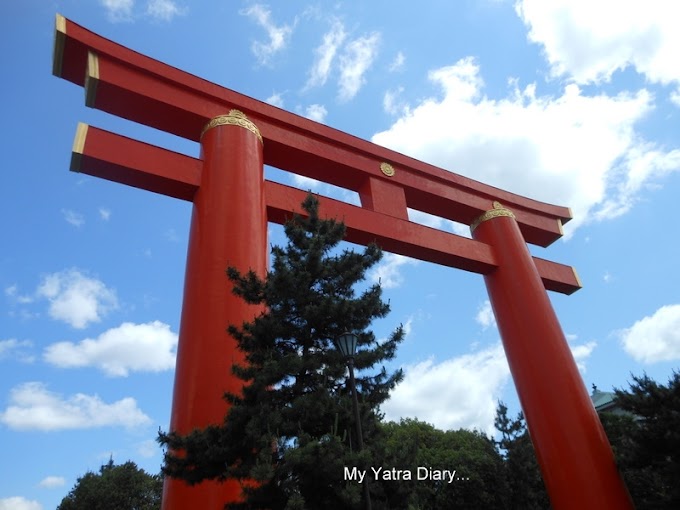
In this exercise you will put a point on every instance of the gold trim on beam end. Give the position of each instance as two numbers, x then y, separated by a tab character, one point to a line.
59	43
497	211
233	118
78	147
578	280
91	78
559	226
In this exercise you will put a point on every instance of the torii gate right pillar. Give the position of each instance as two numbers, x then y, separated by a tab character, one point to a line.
571	446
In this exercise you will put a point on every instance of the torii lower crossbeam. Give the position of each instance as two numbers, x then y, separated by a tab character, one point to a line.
232	204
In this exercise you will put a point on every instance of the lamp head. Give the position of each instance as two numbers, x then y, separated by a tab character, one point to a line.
347	344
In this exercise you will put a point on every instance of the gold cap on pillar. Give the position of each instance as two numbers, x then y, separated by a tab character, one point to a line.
233	118
497	211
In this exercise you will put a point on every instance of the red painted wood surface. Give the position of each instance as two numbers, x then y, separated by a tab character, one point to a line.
571	446
224	233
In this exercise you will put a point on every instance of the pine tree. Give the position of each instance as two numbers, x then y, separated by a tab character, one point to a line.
527	490
646	440
291	431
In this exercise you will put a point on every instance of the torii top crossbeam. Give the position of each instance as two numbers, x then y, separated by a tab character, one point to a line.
232	204
133	86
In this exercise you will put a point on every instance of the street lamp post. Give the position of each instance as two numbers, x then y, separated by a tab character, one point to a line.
347	344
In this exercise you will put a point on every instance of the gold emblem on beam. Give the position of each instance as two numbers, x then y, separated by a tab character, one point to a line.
497	211
233	118
387	169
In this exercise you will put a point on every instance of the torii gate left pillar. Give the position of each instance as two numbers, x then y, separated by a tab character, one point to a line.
224	233
232	204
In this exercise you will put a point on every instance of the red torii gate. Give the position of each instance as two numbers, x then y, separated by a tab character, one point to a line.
232	203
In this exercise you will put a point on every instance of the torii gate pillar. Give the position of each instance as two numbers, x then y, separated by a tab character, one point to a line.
228	229
573	452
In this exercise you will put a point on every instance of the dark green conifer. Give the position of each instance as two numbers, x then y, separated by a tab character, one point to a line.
292	429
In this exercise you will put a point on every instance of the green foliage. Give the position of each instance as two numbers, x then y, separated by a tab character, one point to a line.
646	441
410	444
123	487
527	491
292	428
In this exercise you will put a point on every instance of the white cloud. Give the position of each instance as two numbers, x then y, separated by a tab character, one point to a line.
575	150
172	235
307	183
675	97
356	59
73	218
12	292
278	35
148	448
118	10
589	41
432	221
19	503
391	102
316	112
50	482
76	298
461	392
325	54
33	407
164	10
105	214
18	349
581	354
398	62
388	270
128	348
654	338
275	99
485	316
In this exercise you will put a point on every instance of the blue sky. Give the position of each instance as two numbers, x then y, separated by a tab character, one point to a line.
561	101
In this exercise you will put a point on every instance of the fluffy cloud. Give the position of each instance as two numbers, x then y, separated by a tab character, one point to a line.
77	299
50	482
581	354
19	503
275	99
388	271
654	338
118	10
576	150
325	54
316	112
33	407
589	41
473	385
278	35
357	58
73	218
164	10
473	382
17	349
398	62
128	348
485	316
105	214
